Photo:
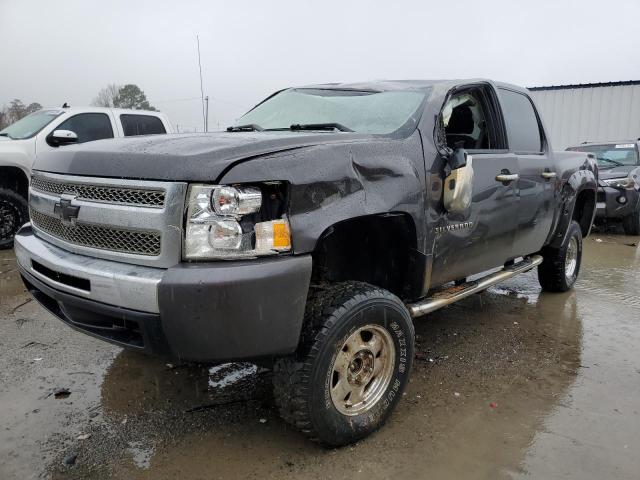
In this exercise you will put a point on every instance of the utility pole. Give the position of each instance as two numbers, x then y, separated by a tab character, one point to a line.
206	118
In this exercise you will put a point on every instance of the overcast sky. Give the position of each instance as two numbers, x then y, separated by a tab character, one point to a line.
66	50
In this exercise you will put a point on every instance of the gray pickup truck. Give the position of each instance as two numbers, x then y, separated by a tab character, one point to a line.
309	235
619	182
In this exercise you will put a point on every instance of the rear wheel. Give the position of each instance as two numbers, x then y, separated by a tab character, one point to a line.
352	365
560	267
631	223
14	213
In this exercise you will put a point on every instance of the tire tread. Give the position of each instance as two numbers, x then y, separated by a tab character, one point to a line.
291	375
21	204
551	272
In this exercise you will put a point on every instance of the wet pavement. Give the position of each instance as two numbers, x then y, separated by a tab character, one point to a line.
510	383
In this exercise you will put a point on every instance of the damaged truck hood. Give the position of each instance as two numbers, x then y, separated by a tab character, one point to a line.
616	172
185	157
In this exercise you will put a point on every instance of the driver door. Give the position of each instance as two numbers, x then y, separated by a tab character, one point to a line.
483	237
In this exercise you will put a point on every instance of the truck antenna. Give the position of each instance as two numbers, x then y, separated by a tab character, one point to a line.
204	118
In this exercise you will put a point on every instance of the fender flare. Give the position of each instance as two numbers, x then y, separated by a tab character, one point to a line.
583	180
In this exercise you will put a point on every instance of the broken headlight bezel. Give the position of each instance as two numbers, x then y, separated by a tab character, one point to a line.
235	221
622	183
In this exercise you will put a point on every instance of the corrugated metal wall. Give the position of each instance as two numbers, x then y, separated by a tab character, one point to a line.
593	114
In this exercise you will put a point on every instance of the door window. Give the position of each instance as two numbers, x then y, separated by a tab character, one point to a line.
88	126
141	125
468	121
523	129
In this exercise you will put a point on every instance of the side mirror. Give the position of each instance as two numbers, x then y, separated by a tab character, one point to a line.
458	186
458	158
62	137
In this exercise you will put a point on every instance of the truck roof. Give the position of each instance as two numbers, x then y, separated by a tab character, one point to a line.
103	109
391	85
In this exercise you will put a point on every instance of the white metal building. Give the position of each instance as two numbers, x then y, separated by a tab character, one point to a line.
590	112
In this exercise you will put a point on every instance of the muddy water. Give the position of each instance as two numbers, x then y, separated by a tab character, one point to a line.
510	383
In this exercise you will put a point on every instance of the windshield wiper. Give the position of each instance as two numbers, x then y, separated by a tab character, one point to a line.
320	126
2	134
615	162
250	127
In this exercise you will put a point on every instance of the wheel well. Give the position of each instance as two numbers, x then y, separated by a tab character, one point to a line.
583	210
13	178
377	249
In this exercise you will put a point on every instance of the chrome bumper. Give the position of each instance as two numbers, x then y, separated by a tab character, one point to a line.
114	283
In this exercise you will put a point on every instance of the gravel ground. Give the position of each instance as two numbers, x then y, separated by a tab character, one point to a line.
510	383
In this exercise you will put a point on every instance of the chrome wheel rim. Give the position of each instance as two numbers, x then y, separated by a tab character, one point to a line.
362	370
571	259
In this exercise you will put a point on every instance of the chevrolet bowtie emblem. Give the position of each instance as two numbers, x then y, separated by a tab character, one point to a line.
65	211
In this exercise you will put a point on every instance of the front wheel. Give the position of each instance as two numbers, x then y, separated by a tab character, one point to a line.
560	267
352	365
631	223
14	212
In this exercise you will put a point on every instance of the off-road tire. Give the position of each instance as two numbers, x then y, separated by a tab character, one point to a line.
14	212
631	223
302	382
552	272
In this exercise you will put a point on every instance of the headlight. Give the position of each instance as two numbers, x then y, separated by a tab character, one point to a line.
236	201
227	222
624	182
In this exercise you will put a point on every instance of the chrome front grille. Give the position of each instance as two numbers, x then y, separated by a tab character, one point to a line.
110	218
101	193
104	238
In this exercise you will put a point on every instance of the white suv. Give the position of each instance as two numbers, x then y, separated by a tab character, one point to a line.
51	128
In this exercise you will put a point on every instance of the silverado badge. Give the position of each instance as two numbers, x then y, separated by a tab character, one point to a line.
454	226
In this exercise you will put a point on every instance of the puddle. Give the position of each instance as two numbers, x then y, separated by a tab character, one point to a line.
548	386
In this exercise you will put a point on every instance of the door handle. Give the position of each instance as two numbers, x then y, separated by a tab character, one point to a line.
507	177
548	175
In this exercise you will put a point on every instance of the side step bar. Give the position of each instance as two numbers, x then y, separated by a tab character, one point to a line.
453	294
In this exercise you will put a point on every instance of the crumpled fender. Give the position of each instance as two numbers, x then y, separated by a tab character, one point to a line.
333	183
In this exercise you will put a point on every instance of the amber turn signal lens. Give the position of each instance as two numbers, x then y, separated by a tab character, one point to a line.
281	236
273	236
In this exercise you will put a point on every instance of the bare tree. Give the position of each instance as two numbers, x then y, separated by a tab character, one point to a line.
33	107
106	96
16	111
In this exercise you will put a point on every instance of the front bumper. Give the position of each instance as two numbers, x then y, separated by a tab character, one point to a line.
207	312
609	206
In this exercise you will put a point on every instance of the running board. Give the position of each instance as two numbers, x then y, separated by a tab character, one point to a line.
453	294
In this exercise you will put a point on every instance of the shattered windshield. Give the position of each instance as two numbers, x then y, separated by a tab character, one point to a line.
611	155
30	125
360	111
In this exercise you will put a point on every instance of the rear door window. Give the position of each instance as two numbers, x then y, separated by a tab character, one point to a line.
141	125
88	126
523	129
